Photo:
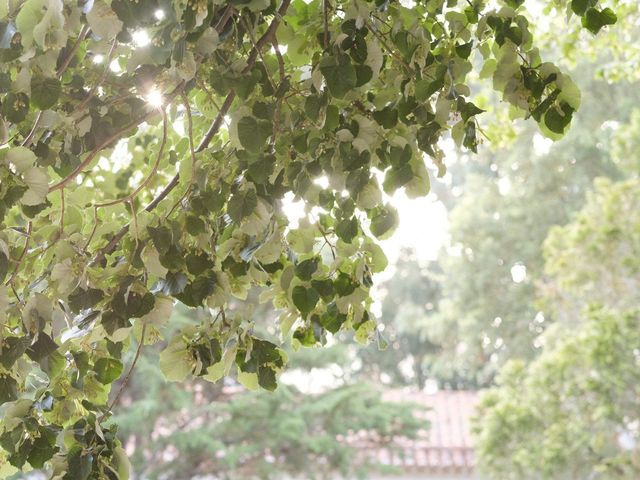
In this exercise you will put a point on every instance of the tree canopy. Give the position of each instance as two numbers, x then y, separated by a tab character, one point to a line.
146	148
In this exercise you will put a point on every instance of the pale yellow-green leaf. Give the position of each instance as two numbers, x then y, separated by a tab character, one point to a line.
21	158
155	320
370	196
4	305
208	41
248	380
37	180
220	369
570	91
287	320
63	276
121	463
103	20
152	263
364	332
175	361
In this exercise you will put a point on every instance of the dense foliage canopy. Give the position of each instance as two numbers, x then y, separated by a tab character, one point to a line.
145	150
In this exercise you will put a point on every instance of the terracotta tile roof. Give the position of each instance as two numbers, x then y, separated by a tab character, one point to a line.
445	447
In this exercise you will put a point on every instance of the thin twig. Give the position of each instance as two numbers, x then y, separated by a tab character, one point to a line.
253	56
384	43
105	71
134	217
61	211
29	138
276	49
253	43
204	143
226	15
93	230
154	169
125	381
22	255
325	13
192	151
81	36
115	136
215	126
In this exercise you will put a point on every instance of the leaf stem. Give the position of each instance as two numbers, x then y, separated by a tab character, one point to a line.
125	381
22	255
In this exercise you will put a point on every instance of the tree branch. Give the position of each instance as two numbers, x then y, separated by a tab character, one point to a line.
125	381
112	138
154	169
206	140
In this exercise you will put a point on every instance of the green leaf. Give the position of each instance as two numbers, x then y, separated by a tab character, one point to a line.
4	266
595	19
265	352
121	463
396	178
312	106
347	229
15	107
108	370
305	336
468	109
79	462
341	76
194	225
428	136
81	299
253	134
12	350
579	7
470	141
242	204
305	299
197	291
387	117
38	182
112	321
306	268
103	20
425	88
332	319
45	92
42	347
132	304
8	389
363	74
464	50
267	378
324	288
557	119
383	222
175	360
162	238
198	263
43	449
344	285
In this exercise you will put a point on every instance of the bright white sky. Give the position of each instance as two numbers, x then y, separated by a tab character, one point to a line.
423	227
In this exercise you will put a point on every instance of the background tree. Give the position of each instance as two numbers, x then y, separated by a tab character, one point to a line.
510	199
572	412
411	297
